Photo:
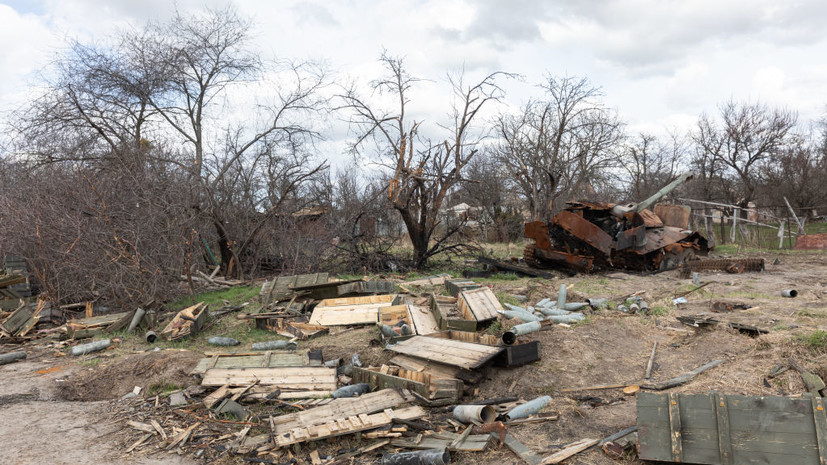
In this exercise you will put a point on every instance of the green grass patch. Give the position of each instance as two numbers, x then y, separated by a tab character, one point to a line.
659	311
92	362
215	299
506	298
162	387
817	340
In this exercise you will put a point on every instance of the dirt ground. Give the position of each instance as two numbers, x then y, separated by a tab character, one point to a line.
43	418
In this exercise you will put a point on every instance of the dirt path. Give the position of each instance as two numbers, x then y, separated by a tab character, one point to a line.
37	428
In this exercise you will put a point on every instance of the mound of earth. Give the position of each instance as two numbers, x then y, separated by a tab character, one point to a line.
161	370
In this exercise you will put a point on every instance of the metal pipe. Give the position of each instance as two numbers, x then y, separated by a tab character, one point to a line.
84	349
789	293
12	357
561	296
223	341
419	457
275	345
150	336
353	390
663	192
136	319
529	408
510	336
475	414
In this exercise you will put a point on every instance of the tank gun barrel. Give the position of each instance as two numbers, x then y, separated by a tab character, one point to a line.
663	192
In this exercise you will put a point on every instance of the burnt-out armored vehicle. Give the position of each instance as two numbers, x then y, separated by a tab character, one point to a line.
589	236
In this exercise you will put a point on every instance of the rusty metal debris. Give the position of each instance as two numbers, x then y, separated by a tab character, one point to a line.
589	236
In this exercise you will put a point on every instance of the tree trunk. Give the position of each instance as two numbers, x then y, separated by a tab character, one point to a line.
227	255
419	238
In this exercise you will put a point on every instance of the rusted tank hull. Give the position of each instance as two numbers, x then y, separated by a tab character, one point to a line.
587	238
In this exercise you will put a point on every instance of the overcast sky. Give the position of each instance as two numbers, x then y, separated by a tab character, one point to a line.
661	63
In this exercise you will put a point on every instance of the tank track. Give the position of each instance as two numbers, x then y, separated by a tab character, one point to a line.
529	257
730	265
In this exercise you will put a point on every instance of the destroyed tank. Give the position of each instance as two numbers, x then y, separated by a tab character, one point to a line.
590	236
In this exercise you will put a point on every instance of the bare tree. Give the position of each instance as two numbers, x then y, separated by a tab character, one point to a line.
176	84
422	172
560	145
650	163
745	138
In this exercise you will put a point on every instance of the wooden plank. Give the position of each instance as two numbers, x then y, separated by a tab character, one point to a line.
444	440
365	287
299	378
353	425
569	451
820	419
719	405
442	391
436	370
462	354
18	319
423	320
364	300
338	408
273	360
675	427
343	316
520	449
481	304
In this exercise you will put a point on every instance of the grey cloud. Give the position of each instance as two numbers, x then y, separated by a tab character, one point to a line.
650	38
501	24
310	13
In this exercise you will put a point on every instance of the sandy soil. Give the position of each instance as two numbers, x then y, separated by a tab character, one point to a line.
37	427
610	347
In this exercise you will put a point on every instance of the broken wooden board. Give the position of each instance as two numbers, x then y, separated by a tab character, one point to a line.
423	320
437	280
264	360
479	304
345	316
17	320
186	323
365	287
721	429
569	451
448	316
436	370
456	353
455	286
323	290
377	300
351	310
340	408
520	449
286	378
468	336
438	391
445	440
347	425
96	324
394	316
282	287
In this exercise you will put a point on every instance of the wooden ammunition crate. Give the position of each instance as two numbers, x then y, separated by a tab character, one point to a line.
718	429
